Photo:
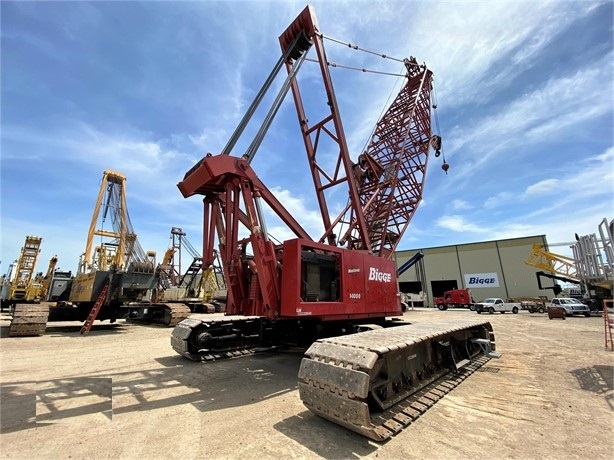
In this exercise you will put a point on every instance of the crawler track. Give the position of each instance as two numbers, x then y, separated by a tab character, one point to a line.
375	383
167	314
182	337
176	313
29	320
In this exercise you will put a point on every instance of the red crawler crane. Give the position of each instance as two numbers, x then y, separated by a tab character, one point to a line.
340	289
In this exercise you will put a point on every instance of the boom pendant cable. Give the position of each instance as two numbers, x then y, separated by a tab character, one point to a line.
358	48
361	69
436	139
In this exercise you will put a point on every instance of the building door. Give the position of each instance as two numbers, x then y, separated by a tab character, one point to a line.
410	287
441	286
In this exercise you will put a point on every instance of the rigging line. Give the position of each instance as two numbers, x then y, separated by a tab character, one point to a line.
334	64
434	105
436	113
392	91
358	48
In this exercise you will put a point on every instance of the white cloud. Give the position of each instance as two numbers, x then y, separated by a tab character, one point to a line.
458	223
543	187
478	36
308	217
591	177
588	178
460	204
546	112
498	200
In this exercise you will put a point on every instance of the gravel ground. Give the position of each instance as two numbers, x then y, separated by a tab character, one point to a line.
122	392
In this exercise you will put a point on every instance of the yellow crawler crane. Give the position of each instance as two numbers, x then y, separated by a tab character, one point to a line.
25	292
201	290
45	281
22	286
31	318
113	257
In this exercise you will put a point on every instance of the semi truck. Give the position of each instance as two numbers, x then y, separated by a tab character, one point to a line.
455	298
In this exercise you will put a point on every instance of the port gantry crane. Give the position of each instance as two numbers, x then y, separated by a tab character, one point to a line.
337	294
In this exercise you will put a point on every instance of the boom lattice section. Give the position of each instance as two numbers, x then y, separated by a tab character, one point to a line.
392	169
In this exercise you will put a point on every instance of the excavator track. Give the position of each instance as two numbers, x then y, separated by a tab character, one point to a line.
378	382
29	320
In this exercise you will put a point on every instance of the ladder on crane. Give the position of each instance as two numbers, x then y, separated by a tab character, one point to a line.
85	330
608	324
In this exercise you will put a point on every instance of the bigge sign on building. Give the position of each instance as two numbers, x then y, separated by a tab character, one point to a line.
481	280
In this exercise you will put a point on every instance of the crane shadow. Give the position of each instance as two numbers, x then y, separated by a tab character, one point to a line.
206	386
598	379
325	438
70	330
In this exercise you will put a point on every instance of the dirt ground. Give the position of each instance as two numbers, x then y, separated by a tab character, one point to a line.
122	392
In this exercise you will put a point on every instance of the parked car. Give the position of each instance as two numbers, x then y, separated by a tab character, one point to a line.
571	306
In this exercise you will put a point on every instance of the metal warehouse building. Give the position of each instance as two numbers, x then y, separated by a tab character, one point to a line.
489	269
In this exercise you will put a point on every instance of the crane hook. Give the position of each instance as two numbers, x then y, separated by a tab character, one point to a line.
445	166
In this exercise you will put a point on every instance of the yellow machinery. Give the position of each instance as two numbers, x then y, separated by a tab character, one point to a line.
201	291
114	272
549	261
26	291
587	269
22	284
114	255
45	281
117	249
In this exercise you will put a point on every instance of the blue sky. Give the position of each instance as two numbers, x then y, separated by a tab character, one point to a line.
524	93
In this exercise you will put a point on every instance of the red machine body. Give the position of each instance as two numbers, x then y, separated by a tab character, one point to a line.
336	284
299	278
347	273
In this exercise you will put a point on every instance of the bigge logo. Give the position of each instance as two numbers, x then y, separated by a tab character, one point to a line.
376	275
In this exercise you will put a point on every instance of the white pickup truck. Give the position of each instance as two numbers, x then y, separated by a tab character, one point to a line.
493	304
571	306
